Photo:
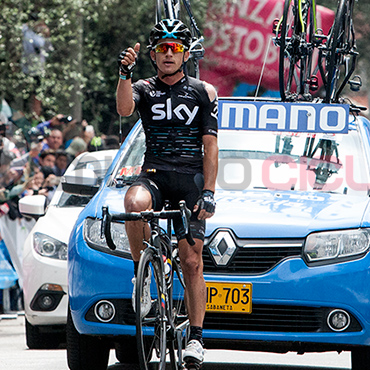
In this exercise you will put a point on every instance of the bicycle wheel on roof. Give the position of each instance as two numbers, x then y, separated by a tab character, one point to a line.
294	36
340	51
167	9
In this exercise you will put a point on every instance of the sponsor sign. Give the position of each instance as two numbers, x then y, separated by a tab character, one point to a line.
278	116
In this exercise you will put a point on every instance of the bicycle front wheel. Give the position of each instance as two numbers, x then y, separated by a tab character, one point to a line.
295	58
150	326
336	48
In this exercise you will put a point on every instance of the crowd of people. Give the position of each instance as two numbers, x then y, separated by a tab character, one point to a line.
33	162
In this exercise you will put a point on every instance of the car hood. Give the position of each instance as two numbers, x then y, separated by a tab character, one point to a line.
58	222
252	214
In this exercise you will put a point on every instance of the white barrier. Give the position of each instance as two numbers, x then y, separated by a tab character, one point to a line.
14	234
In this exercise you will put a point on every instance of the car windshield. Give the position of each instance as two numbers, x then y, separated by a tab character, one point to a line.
292	161
277	161
99	167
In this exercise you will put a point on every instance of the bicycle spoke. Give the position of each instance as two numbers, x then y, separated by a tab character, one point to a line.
150	326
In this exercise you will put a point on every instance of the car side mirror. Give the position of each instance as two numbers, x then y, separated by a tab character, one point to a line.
33	206
80	182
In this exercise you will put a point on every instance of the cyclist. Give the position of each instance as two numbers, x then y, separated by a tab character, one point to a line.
179	116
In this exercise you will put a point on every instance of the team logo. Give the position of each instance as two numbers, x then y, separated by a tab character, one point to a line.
182	112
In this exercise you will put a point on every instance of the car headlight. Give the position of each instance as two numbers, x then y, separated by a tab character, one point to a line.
92	228
47	246
333	246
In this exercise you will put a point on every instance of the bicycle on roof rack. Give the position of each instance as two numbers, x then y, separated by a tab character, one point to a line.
163	330
181	9
297	35
341	54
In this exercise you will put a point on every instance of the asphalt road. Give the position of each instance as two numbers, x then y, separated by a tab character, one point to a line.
14	355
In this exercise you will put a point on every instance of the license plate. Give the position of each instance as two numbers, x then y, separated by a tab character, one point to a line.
229	297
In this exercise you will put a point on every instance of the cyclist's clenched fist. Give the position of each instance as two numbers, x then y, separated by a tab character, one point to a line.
127	59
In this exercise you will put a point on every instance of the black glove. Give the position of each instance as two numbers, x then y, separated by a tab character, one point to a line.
125	69
207	201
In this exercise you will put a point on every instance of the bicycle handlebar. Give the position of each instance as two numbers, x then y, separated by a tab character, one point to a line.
107	218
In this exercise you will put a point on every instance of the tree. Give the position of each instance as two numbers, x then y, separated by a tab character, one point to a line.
86	38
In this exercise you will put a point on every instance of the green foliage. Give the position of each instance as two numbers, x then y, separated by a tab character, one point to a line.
86	38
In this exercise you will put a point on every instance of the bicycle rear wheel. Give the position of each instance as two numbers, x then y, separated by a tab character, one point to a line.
151	329
167	9
339	44
295	57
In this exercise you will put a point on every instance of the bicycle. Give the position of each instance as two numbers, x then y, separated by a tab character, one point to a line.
172	9
340	53
297	35
164	329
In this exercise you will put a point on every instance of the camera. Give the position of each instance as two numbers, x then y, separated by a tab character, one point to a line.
66	119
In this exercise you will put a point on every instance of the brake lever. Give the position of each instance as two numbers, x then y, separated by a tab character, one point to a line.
185	215
105	228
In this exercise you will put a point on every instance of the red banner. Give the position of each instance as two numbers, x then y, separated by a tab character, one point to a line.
239	42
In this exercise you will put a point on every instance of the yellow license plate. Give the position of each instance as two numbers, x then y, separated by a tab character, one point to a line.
229	297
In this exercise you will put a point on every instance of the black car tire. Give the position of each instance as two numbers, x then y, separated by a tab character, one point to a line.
36	339
361	358
85	352
126	350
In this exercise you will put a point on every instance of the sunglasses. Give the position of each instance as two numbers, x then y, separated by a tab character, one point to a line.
174	46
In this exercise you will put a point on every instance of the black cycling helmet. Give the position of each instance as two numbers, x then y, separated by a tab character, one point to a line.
170	29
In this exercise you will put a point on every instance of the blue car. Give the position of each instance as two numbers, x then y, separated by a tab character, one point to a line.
292	226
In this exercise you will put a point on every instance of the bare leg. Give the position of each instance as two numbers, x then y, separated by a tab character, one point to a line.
192	268
137	199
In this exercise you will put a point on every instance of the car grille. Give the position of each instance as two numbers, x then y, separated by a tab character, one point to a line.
249	256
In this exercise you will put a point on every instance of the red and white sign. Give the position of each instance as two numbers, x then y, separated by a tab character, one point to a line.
239	40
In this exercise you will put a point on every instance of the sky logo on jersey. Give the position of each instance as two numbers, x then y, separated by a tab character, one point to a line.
278	116
166	111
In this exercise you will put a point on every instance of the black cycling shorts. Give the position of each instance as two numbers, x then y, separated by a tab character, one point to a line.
173	187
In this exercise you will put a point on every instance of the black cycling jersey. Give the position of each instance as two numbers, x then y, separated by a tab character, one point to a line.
174	119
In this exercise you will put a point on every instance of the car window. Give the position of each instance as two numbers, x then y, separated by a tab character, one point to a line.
99	167
292	161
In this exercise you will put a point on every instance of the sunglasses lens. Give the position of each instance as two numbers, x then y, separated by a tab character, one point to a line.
174	46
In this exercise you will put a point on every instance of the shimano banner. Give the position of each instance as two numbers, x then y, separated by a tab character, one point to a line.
275	116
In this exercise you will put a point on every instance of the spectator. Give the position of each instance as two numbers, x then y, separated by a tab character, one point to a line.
47	158
5	143
5	160
88	132
61	163
30	158
72	130
54	140
112	142
77	146
55	122
95	144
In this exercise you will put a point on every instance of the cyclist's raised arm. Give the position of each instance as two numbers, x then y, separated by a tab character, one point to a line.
126	61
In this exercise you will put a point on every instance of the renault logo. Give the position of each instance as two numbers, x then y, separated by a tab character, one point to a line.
222	248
